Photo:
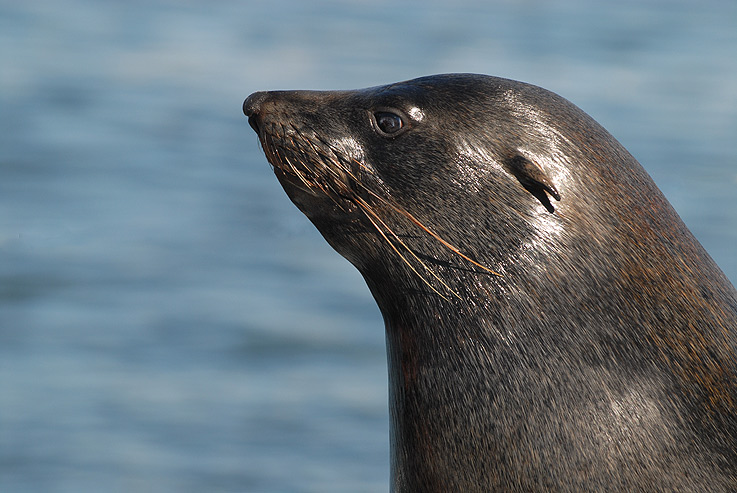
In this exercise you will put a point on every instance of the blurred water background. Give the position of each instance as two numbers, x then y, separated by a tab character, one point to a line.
168	320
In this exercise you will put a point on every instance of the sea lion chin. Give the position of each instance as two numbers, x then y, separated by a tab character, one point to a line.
551	323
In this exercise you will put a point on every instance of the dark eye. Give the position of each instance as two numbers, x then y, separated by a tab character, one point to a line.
389	123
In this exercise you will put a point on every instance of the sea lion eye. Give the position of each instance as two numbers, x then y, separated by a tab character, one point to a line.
388	123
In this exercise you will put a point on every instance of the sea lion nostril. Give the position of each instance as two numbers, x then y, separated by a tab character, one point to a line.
252	104
252	109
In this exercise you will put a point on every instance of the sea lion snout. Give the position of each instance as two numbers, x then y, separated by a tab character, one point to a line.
252	104
252	107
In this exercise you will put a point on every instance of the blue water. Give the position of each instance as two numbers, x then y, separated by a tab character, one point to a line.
168	320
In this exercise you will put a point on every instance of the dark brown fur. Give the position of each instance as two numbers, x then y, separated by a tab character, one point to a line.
551	323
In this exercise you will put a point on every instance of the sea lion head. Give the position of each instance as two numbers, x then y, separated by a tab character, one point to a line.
396	166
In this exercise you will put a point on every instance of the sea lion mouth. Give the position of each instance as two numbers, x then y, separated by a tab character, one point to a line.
311	164
253	122
298	154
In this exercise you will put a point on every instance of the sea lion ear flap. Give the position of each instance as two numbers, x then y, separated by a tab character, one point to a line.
534	179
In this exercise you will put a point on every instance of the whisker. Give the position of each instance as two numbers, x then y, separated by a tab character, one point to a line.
369	214
297	151
409	216
399	209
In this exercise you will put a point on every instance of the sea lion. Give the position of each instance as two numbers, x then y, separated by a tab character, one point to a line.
551	323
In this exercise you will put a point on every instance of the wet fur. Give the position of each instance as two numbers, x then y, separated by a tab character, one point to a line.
551	323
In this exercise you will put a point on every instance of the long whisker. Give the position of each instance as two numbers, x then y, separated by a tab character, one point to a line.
371	215
296	167
394	206
434	235
296	153
326	187
299	174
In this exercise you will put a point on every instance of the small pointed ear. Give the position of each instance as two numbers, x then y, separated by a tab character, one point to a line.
534	179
